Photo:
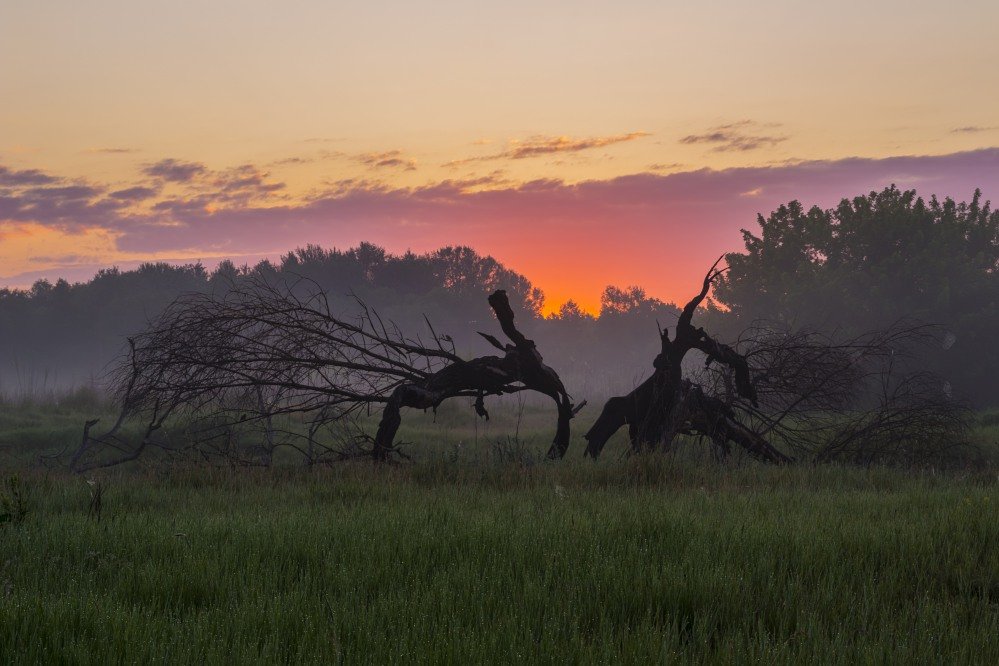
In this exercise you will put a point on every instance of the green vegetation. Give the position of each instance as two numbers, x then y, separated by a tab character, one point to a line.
477	552
872	260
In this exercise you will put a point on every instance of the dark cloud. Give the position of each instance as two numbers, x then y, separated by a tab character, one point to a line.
547	145
174	171
68	207
138	193
64	193
9	178
735	137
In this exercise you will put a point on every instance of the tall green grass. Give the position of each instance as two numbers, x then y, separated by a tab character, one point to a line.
627	562
480	551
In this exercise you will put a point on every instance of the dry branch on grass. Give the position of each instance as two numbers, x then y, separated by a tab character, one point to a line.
777	394
859	400
276	360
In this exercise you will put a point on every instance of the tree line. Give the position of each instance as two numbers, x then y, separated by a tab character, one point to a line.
861	265
60	335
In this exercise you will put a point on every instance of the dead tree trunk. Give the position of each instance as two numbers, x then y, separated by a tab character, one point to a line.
520	368
666	404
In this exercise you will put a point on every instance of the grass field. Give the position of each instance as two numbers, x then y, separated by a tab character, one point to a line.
498	558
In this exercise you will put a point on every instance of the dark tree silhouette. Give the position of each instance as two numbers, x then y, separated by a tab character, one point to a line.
273	357
520	368
871	261
667	404
852	400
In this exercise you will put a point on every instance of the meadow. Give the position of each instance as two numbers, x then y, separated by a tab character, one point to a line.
478	551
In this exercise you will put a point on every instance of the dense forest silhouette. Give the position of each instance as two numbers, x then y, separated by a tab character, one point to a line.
57	336
861	265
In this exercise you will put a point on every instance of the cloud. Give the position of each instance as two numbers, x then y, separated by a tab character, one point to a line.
10	178
113	151
245	181
62	259
137	193
657	230
391	159
732	137
69	207
546	145
973	129
292	160
175	171
662	166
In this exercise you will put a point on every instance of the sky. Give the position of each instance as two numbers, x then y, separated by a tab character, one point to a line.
580	143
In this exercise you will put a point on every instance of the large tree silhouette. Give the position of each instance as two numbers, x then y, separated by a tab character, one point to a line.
275	362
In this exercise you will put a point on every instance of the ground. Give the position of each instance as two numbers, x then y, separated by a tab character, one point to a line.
500	557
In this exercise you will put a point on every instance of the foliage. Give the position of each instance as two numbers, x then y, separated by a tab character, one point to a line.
871	261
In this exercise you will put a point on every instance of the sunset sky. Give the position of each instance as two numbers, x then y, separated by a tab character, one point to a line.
580	143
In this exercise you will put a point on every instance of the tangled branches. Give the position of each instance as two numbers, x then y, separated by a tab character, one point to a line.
859	400
276	361
776	394
263	367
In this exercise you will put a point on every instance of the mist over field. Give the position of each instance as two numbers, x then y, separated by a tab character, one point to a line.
866	264
499	333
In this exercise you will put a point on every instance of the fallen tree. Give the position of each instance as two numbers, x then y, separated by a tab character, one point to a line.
272	363
264	366
666	404
778	395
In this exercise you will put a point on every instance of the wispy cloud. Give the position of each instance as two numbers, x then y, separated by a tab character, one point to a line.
390	159
663	166
735	137
285	161
243	184
536	146
63	259
174	171
311	158
112	151
973	129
